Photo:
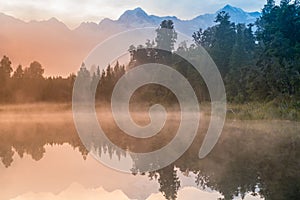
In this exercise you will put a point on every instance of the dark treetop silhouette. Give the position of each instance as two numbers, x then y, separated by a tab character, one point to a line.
258	66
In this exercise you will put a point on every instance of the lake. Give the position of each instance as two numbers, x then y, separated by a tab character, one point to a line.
42	157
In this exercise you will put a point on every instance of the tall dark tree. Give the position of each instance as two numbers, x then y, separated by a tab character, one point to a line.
5	72
218	41
268	7
205	38
35	82
35	71
166	36
241	62
5	68
169	182
277	75
18	73
224	40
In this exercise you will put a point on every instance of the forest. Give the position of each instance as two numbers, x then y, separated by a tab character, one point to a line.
259	63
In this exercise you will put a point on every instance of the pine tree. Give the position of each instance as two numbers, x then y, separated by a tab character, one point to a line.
5	69
222	45
166	36
277	74
19	73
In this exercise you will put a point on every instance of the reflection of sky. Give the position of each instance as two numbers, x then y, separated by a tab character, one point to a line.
62	174
59	168
77	192
73	12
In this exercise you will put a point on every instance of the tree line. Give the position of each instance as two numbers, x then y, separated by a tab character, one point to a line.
258	62
258	66
29	85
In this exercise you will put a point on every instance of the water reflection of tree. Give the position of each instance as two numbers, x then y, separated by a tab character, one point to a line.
33	138
168	181
262	161
244	161
248	160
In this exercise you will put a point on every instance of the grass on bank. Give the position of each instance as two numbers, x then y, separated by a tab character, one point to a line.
247	111
264	111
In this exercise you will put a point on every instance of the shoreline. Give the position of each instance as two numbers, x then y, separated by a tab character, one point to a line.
243	112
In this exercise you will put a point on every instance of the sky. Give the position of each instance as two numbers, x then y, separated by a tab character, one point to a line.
73	12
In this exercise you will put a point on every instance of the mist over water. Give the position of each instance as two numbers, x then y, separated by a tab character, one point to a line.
251	157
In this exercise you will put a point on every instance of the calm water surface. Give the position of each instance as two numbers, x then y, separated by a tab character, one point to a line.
43	158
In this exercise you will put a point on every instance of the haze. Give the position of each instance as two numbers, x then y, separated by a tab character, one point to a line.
73	13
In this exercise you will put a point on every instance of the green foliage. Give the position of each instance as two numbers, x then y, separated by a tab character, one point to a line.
29	84
277	73
5	71
241	61
5	68
107	81
223	42
263	67
166	35
19	73
284	110
35	71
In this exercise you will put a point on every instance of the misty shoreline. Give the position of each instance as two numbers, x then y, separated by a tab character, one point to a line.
243	112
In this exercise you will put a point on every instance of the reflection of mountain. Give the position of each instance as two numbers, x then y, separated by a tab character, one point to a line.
258	157
61	50
77	192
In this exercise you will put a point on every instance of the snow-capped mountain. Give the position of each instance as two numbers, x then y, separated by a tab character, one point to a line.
138	18
61	50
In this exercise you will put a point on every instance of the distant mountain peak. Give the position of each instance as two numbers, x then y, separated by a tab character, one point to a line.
138	9
137	12
137	15
229	8
65	47
53	19
53	22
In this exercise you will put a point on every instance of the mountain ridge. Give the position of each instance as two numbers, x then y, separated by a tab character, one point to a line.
61	49
138	18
